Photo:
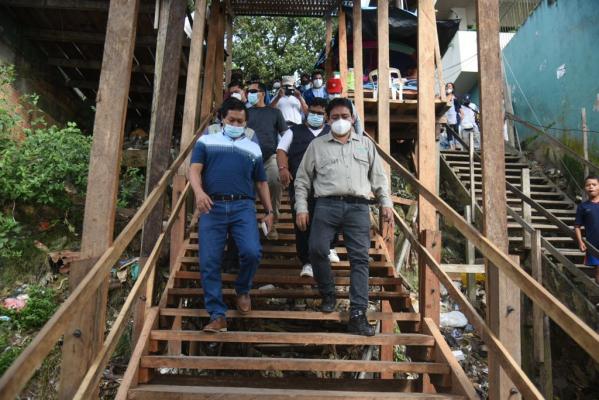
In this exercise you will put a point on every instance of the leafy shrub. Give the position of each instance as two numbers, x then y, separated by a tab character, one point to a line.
41	305
131	191
10	230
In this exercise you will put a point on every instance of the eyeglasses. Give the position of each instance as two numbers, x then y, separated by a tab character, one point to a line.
254	91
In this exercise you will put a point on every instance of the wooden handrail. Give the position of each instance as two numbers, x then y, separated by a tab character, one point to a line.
19	373
94	373
572	152
509	365
587	338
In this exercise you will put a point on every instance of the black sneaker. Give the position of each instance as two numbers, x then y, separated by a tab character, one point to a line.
329	301
359	325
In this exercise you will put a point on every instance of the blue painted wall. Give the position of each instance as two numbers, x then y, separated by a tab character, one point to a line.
558	32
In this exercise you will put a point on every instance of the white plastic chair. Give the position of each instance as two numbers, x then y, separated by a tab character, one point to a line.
395	83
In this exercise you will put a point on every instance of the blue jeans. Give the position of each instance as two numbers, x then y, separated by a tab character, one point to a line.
332	216
239	218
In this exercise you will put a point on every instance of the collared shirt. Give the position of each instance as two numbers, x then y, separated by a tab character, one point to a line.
341	169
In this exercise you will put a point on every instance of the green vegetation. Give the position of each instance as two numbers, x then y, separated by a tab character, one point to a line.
270	47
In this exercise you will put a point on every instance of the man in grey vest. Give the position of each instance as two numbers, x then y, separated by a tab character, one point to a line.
343	169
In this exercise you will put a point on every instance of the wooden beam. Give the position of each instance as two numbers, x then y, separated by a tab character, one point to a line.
342	46
503	299
229	63
97	65
79	350
383	125
358	64
93	85
49	35
328	69
427	148
75	5
209	67
219	66
526	209
164	100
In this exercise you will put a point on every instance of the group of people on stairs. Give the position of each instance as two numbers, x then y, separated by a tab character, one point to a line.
306	140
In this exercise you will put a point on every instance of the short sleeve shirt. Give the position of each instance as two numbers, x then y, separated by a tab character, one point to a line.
230	166
587	215
291	108
267	123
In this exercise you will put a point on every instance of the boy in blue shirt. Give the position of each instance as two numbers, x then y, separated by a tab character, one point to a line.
587	215
226	169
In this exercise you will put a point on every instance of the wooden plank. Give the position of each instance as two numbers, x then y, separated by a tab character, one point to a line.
164	100
387	353
288	364
229	62
79	351
463	268
383	126
304	338
78	5
31	358
342	47
460	384
94	373
64	36
358	62
501	294
295	315
581	333
219	66
210	64
328	39
285	293
512	368
162	392
140	349
427	163
526	210
293	263
536	265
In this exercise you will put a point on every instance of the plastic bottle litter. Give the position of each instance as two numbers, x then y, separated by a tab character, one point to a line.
453	319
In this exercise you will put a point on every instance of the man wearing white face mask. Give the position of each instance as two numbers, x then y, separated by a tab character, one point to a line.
235	90
343	169
225	172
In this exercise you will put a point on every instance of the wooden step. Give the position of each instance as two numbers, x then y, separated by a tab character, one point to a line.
293	315
289	364
289	279
550	239
293	263
287	237
477	164
465	176
304	338
171	392
286	293
291	249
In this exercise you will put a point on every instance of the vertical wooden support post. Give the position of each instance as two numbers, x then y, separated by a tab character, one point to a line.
537	313
503	298
191	114
85	333
343	50
219	66
427	164
383	126
470	278
472	180
166	84
358	62
229	64
585	139
328	66
210	64
526	210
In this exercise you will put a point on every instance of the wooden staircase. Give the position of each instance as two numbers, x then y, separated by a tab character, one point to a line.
285	348
545	193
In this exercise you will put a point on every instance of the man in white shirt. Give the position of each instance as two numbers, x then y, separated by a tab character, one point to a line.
468	124
290	101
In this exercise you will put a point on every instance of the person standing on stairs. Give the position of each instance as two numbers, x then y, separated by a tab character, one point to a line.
226	169
587	216
342	168
290	152
468	125
452	115
268	124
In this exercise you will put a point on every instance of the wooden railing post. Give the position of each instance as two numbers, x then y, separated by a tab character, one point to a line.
358	64
470	259
342	46
84	335
526	210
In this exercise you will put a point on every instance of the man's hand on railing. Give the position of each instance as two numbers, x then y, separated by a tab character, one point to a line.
302	220
203	202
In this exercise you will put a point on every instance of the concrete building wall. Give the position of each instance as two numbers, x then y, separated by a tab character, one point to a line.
552	68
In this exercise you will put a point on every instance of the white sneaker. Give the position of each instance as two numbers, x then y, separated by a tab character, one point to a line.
333	257
307	271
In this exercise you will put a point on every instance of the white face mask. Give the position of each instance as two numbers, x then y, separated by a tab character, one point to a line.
449	90
317	83
341	127
236	95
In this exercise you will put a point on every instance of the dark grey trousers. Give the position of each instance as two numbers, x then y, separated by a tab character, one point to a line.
332	216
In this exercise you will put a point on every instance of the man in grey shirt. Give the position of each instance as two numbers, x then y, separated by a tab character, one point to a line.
342	168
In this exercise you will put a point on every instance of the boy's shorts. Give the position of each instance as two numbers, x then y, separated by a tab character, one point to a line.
591	260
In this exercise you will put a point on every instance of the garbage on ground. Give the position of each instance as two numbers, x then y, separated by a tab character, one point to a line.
16	303
459	355
453	319
60	261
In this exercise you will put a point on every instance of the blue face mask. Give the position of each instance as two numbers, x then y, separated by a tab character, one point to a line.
233	131
315	120
253	98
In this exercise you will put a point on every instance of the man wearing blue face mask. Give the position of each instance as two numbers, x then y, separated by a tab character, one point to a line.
342	169
267	123
226	169
290	152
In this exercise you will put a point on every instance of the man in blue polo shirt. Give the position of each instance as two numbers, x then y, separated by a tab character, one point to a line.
225	170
